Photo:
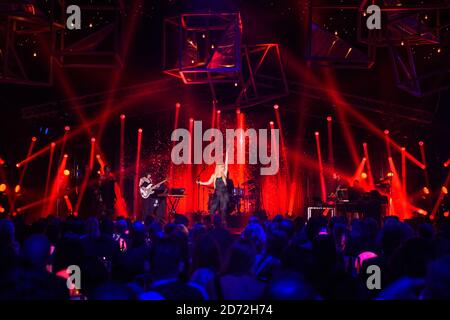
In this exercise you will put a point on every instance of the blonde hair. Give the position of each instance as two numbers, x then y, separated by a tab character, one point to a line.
219	171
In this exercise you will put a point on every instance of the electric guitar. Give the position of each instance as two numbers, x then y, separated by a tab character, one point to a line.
150	189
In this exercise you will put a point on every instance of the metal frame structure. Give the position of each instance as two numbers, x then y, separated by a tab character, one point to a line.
193	64
85	52
402	30
13	68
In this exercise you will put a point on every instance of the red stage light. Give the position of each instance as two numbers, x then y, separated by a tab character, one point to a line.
316	133
122	117
422	212
17	165
140	130
329	119
420	143
390	174
191	120
447	163
403	148
218	111
17	189
444	190
34	139
365	144
53	144
386	132
66	128
276	107
238	111
97	156
66	172
426	190
75	214
446	214
178	105
363	175
2	187
271	123
66	156
92	139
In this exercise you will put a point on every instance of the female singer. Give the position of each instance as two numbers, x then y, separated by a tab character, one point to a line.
221	196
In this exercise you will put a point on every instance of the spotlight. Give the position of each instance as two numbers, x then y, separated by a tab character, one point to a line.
426	190
17	189
191	119
316	133
403	148
386	132
122	117
444	190
178	105
34	139
140	130
235	84
92	139
97	156
446	214
276	107
66	128
238	111
18	165
364	159
365	144
422	212
2	187
271	123
329	119
66	172
390	174
446	163
53	144
218	111
420	143
363	175
66	156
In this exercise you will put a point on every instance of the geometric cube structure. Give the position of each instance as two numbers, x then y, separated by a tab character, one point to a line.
203	47
207	48
26	39
404	26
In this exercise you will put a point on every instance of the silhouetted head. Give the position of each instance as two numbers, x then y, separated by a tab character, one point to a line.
206	253
166	259
437	283
240	258
36	251
6	233
290	286
256	234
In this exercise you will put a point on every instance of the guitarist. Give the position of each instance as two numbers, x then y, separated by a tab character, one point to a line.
153	197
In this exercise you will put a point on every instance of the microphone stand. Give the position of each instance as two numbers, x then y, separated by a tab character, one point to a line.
198	185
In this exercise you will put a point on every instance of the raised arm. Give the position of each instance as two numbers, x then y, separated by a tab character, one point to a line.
226	164
211	180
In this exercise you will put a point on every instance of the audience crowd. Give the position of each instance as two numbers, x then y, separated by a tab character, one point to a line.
278	259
